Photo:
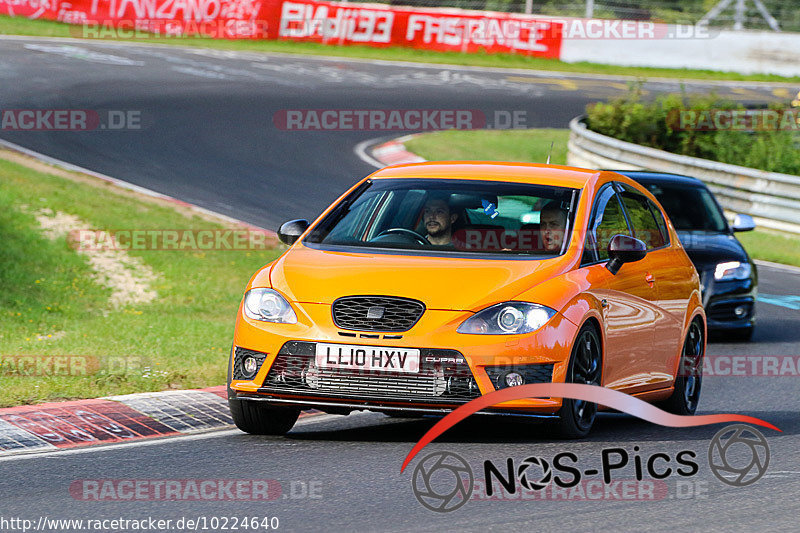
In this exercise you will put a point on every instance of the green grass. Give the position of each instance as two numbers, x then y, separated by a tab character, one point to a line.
772	246
183	336
24	26
531	146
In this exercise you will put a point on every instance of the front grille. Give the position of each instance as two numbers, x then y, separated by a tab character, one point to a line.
536	373
238	356
376	313
725	311
444	376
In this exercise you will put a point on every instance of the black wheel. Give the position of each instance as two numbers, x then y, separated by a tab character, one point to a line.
576	417
257	419
686	395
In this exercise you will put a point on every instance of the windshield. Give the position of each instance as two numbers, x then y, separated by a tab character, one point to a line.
689	208
455	216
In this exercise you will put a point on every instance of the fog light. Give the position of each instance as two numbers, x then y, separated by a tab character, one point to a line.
514	379
740	310
250	366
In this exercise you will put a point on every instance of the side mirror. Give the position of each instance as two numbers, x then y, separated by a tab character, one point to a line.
290	231
743	223
624	249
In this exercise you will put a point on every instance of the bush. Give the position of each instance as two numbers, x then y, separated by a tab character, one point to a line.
656	124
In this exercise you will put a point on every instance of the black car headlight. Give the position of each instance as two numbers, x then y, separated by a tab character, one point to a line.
508	318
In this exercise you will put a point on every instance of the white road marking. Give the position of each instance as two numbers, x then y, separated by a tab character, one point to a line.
84	54
778	266
361	151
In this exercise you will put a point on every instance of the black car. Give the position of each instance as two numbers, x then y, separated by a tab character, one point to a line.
728	275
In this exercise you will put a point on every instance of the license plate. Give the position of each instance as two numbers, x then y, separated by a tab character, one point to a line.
367	358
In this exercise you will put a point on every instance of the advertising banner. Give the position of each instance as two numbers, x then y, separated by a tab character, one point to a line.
332	23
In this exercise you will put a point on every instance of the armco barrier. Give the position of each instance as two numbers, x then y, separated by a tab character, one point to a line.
772	198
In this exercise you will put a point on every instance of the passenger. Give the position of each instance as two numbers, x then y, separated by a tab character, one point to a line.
553	223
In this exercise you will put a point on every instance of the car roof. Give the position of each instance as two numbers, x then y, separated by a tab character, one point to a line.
646	176
539	174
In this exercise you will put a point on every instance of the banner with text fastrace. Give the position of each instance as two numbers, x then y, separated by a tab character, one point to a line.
434	29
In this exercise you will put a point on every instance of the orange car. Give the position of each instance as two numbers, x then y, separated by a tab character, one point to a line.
427	285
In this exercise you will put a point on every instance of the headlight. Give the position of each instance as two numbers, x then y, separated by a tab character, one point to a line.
510	318
269	306
732	270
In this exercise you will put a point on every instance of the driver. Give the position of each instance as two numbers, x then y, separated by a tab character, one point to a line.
439	219
553	223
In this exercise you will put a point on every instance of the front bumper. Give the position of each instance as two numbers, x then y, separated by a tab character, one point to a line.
441	386
729	305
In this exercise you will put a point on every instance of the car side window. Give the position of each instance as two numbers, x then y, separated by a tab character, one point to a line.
608	220
355	221
660	222
645	226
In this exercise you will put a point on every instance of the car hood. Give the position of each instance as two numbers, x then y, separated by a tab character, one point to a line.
706	249
315	276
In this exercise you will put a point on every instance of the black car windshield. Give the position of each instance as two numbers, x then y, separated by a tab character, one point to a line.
690	208
451	216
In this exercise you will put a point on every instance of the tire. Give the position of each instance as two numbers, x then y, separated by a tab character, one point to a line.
576	417
256	419
689	380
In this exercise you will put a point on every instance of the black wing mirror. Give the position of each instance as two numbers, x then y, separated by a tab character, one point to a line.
624	249
290	231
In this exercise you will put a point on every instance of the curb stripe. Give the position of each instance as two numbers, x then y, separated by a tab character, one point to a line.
79	424
14	438
115	419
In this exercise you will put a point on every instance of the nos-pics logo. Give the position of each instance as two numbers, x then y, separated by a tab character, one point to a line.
443	481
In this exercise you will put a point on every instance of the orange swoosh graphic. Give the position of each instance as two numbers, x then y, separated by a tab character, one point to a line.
577	391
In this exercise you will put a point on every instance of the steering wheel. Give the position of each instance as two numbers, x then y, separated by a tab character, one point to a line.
407	232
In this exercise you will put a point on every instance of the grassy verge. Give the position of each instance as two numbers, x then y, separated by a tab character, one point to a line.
772	246
50	303
43	28
533	145
506	145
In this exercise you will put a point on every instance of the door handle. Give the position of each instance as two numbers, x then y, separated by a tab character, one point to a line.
650	279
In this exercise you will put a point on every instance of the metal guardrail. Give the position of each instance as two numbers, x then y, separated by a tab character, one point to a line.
773	199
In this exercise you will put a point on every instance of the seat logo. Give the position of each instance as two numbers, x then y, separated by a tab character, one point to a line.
375	312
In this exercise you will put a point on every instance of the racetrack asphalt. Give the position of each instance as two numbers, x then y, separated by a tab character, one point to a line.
208	138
